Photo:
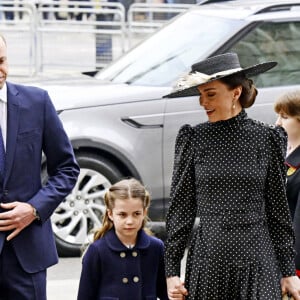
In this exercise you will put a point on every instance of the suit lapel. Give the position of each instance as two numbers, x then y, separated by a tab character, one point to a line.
13	105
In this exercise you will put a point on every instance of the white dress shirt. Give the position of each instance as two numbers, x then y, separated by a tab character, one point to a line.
3	112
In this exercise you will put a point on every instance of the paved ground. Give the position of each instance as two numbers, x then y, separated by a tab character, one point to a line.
63	279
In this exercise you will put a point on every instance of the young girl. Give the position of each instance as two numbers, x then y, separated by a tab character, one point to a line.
124	262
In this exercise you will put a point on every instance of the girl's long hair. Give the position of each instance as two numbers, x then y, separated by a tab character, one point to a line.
123	190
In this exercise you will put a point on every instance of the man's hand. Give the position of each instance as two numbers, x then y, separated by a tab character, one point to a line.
18	216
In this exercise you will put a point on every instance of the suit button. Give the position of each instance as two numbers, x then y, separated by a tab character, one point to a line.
136	279
122	254
125	280
134	254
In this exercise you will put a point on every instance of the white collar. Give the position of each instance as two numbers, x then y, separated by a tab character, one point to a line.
3	93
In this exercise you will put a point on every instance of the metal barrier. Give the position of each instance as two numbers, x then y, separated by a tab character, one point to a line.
94	36
20	28
63	36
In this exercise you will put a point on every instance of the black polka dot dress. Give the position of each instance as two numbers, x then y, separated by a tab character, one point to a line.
231	174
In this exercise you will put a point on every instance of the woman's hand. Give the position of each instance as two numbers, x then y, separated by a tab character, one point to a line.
176	289
291	285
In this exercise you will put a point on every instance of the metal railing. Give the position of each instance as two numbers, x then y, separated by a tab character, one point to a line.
144	19
24	27
99	27
76	35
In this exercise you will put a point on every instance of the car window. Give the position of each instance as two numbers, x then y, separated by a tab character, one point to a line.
273	41
171	51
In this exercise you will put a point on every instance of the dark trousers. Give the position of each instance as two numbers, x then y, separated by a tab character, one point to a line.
15	283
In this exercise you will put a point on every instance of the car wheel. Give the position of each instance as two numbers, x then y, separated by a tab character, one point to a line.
81	212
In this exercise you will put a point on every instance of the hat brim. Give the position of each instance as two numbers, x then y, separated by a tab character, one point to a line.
250	71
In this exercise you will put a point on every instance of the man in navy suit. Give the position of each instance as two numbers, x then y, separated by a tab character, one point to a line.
29	126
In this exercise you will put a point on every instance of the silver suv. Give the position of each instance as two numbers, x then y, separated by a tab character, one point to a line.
120	125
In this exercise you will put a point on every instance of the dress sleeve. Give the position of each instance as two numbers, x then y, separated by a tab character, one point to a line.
182	211
277	210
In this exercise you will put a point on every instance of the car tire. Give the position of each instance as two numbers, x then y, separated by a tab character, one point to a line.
81	212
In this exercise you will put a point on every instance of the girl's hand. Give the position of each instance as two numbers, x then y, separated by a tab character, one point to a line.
176	289
291	285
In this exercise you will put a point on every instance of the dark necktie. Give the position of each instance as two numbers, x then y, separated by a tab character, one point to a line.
2	157
2	170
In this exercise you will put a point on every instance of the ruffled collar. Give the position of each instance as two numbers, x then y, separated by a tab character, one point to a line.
293	160
232	122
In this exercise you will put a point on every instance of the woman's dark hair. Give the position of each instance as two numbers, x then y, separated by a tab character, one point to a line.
249	91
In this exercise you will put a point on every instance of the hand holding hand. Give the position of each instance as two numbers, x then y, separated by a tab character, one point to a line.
291	285
176	289
18	216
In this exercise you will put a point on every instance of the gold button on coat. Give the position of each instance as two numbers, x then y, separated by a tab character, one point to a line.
123	254
125	280
136	279
134	254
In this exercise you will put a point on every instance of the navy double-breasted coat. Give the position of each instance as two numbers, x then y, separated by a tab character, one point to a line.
293	195
111	271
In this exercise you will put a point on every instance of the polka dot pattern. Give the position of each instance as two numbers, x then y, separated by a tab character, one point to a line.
231	175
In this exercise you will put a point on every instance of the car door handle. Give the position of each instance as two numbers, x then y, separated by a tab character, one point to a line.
135	124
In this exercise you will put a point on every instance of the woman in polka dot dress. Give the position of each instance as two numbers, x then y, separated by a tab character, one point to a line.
230	173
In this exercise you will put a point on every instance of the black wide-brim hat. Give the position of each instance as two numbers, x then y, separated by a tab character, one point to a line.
214	68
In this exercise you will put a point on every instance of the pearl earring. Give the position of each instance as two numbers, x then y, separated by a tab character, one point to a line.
233	106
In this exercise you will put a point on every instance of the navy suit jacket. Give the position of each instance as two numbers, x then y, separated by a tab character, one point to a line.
33	127
293	196
112	271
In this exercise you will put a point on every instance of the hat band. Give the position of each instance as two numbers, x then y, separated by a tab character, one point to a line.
197	78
